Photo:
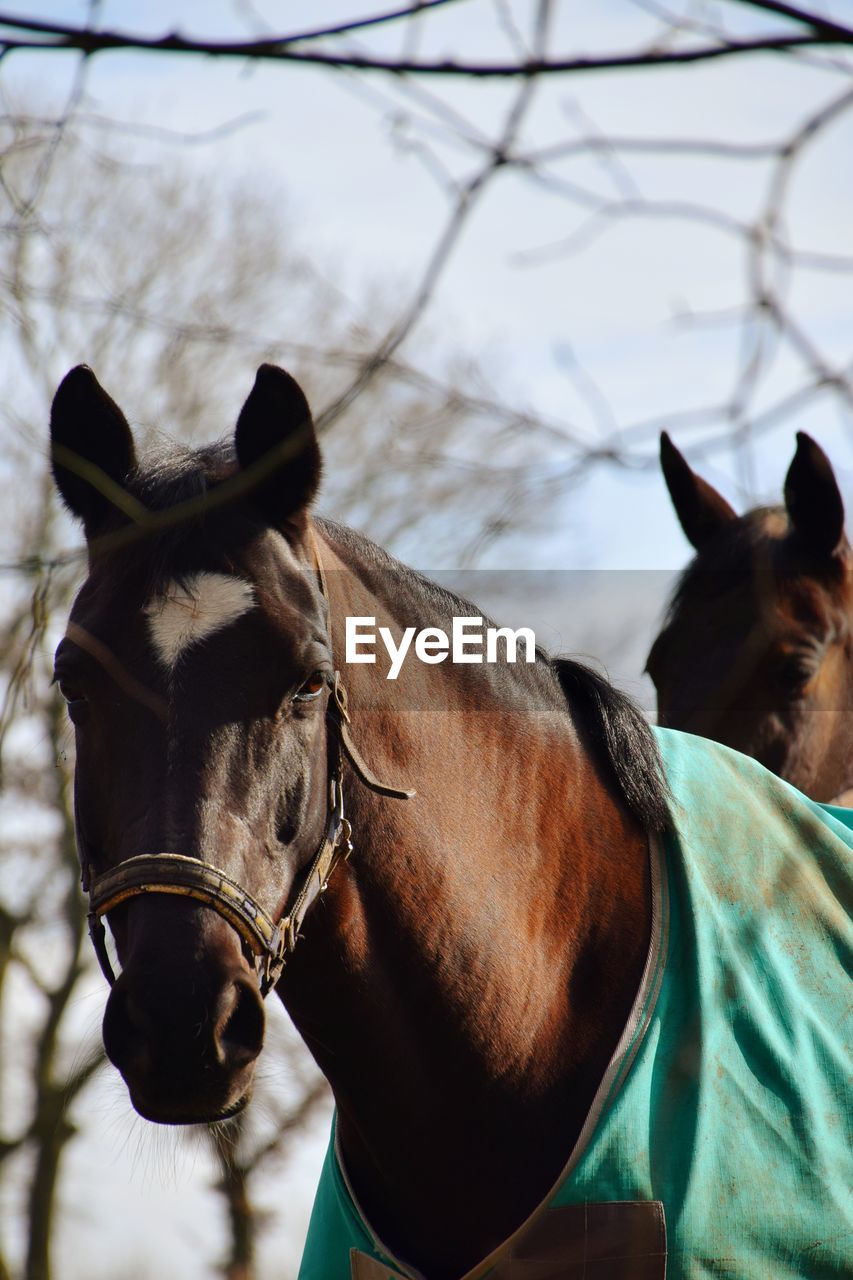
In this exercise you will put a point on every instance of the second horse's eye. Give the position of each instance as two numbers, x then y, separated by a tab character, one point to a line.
311	689
795	667
794	674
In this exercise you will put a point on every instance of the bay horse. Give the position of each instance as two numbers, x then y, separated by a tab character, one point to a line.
756	650
541	1019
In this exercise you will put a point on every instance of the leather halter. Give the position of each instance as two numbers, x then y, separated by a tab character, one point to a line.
266	942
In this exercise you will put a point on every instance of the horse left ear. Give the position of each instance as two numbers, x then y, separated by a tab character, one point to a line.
813	500
702	511
92	451
277	446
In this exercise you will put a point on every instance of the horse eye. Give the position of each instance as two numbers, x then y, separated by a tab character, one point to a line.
75	700
794	674
311	689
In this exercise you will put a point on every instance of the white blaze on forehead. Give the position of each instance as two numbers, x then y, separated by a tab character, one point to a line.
188	612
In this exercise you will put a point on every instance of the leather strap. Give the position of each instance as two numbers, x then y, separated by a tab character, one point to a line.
188	877
338	709
338	704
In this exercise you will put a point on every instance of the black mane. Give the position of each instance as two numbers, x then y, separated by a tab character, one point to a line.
620	738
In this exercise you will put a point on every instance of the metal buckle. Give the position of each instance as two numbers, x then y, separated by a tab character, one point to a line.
343	838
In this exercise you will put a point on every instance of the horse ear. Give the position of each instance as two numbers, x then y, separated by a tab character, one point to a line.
813	500
276	441
701	511
92	449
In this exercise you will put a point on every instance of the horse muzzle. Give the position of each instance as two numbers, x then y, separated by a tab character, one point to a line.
185	1024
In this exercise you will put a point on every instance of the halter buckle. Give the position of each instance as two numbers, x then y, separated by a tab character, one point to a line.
344	837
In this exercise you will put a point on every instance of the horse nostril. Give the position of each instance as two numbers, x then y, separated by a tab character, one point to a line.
124	1031
239	1030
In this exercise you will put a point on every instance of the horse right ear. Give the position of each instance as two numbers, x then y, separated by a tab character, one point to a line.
814	503
277	446
92	449
701	511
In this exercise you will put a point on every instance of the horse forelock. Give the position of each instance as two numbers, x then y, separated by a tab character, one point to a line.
191	533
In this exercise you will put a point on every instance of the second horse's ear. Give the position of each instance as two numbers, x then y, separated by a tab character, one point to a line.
277	446
701	511
92	451
813	500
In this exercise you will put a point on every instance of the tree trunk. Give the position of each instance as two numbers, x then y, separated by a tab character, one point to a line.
54	1130
234	1186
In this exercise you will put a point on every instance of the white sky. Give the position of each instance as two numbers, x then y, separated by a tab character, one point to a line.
371	212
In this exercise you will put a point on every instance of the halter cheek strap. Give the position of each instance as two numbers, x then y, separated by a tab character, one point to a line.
266	942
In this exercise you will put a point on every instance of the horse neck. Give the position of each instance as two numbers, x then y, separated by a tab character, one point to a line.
458	989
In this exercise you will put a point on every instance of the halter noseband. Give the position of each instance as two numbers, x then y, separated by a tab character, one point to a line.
266	943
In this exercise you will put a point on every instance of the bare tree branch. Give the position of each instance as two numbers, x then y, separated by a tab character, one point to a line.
52	37
815	21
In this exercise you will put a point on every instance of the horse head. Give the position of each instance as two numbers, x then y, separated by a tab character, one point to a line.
198	675
757	647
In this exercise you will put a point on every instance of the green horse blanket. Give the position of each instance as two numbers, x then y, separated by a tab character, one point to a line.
719	1142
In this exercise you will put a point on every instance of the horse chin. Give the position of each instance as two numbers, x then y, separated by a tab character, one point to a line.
165	1113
